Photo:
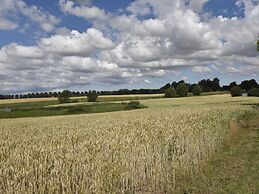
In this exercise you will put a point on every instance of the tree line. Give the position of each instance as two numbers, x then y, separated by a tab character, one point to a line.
204	85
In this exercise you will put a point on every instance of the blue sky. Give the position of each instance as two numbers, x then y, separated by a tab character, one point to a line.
52	45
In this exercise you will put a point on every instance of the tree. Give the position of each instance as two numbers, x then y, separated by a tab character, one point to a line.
232	84
170	93
205	85
258	44
64	96
196	90
165	87
182	90
92	96
215	84
236	91
254	92
248	84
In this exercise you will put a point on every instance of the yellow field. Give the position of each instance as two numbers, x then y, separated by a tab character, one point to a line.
102	98
9	101
224	99
120	152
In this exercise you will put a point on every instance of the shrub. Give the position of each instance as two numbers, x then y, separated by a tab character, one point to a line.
182	90
134	105
75	109
196	90
254	92
170	93
64	96
236	91
92	96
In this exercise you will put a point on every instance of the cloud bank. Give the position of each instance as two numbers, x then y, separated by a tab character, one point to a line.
150	39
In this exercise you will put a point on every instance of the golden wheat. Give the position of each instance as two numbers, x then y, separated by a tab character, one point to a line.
119	152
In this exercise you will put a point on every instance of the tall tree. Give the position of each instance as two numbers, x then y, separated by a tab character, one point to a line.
249	84
92	96
182	90
64	96
215	84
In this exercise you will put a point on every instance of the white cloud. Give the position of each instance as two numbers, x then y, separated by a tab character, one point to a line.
197	5
11	8
201	69
7	24
84	11
231	70
185	78
122	48
147	81
75	43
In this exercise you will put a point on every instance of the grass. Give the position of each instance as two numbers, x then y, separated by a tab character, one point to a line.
51	108
213	93
234	169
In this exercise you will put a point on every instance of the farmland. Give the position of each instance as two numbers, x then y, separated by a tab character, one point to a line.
152	150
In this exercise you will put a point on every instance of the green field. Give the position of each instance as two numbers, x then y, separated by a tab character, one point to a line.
174	146
51	108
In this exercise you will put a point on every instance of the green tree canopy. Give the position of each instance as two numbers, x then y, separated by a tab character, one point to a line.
182	90
236	91
196	90
170	93
64	96
92	96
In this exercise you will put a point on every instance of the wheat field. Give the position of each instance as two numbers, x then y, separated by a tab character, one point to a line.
120	152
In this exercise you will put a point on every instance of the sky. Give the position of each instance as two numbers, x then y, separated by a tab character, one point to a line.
53	45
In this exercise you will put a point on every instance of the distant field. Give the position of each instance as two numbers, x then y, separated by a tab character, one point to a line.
11	101
51	108
221	100
149	150
83	98
105	98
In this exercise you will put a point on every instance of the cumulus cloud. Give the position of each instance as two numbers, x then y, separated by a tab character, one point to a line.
76	44
59	61
9	8
81	10
201	69
197	5
147	81
6	24
132	46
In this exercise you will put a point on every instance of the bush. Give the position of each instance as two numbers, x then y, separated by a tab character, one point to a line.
75	109
92	96
196	90
254	92
236	91
170	93
182	90
134	105
64	96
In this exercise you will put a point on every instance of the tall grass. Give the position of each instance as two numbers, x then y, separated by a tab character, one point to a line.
121	152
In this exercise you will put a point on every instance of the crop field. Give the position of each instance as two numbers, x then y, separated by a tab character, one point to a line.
104	98
138	151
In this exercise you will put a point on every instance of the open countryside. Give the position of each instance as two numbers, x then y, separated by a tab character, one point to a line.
129	97
158	149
